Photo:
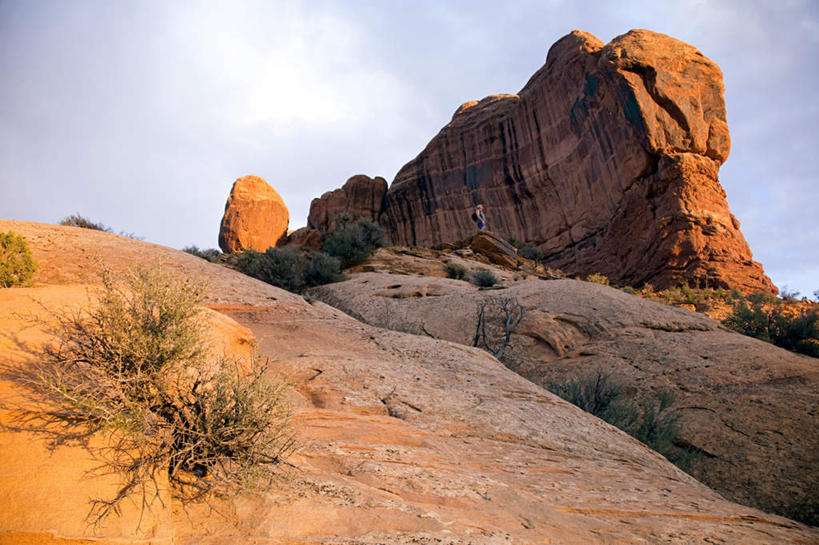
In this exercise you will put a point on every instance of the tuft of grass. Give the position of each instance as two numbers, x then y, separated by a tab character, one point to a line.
484	278
17	266
136	369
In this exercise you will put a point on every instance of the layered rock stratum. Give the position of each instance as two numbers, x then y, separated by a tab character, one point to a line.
255	217
746	407
607	161
403	438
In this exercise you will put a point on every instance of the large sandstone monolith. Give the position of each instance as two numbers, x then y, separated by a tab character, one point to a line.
607	160
360	197
255	217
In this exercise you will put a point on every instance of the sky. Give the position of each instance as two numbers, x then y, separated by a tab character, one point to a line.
141	114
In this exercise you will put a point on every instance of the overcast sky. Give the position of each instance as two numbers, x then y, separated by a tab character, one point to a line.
141	114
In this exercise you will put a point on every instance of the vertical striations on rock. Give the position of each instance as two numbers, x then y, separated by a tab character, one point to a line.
360	197
255	217
607	160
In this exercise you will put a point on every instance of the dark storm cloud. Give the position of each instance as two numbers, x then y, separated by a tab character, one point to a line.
142	114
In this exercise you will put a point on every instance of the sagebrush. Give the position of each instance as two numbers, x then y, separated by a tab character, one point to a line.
483	278
652	422
290	268
354	242
17	266
136	368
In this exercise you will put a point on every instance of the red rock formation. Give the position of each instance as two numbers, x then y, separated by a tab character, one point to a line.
360	197
255	217
304	237
607	160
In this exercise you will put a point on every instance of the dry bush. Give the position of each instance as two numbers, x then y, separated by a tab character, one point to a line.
137	370
497	319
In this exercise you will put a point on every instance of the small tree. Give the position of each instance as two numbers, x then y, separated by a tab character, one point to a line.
17	267
497	319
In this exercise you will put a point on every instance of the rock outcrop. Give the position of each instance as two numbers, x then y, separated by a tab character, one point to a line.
745	406
255	218
607	160
403	439
360	197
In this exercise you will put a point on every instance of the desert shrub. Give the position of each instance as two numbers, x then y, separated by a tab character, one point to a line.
483	278
17	266
515	243
651	423
323	269
790	328
352	243
136	368
211	254
531	252
76	220
598	279
289	268
630	290
455	270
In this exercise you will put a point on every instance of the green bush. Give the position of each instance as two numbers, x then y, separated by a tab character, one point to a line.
211	254
455	271
352	243
17	267
136	368
484	278
790	328
289	268
531	252
651	423
515	243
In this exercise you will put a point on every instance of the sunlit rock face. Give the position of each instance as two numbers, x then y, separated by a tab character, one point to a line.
607	160
255	217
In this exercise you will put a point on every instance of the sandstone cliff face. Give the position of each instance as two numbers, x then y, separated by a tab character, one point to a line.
607	160
255	217
360	197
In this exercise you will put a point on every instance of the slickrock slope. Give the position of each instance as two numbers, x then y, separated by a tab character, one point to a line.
404	439
255	217
607	160
749	406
